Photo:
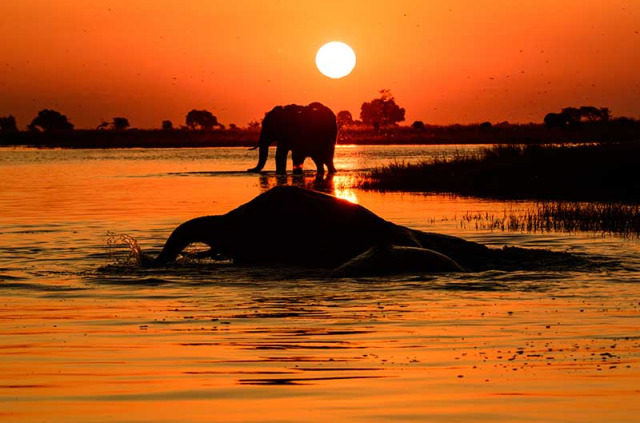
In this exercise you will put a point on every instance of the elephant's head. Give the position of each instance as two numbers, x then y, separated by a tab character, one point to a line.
272	125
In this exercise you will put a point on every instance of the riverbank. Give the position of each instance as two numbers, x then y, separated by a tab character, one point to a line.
591	188
397	135
595	172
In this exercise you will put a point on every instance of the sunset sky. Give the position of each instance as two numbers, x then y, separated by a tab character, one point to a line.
446	61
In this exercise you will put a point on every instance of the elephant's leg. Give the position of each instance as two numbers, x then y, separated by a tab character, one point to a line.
330	166
319	165
281	160
384	259
298	162
329	159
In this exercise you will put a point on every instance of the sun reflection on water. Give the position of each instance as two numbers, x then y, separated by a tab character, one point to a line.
347	194
340	185
343	187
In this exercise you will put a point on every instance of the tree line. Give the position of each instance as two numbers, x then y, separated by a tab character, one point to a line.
49	120
382	111
571	117
379	112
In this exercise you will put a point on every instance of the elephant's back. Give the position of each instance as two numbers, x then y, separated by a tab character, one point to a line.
319	121
306	227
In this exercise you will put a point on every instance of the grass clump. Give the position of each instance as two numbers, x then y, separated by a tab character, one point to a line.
556	216
594	172
588	188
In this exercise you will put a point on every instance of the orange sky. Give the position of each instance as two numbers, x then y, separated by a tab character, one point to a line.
445	62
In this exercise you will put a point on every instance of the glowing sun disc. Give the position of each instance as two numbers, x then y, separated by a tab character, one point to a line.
335	59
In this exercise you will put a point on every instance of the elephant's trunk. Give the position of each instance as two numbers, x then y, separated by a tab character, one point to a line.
201	229
263	154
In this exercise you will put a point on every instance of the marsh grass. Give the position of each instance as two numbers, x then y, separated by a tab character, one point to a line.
544	217
593	172
592	188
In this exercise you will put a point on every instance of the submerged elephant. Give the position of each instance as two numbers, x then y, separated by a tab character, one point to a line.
293	226
306	131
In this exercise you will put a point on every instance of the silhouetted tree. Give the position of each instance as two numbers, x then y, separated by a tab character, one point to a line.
485	126
418	125
202	119
572	114
571	117
167	125
8	124
557	120
344	118
254	125
605	114
120	123
589	113
382	111
103	125
233	126
592	113
50	120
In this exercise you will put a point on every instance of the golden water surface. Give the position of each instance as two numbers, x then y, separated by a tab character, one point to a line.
84	338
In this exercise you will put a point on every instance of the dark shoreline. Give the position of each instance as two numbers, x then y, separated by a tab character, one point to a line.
591	187
430	135
590	172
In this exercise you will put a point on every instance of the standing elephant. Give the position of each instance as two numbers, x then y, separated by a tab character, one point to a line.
306	131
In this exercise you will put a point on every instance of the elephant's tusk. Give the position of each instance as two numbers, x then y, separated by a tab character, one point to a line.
254	148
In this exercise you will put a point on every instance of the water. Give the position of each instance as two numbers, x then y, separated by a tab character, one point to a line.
86	340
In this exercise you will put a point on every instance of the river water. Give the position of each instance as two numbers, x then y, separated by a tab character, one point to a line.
88	338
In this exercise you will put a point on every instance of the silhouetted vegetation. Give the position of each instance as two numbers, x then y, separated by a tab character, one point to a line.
117	124
344	118
201	119
50	121
418	125
120	123
8	124
606	172
586	124
133	138
485	126
616	130
254	125
572	117
588	113
382	111
557	216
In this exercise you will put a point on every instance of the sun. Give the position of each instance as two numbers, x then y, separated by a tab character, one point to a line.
335	59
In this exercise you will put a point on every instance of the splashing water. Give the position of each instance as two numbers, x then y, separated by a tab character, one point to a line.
124	250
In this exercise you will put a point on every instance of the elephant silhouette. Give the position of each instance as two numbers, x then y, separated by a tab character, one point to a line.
306	131
293	226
